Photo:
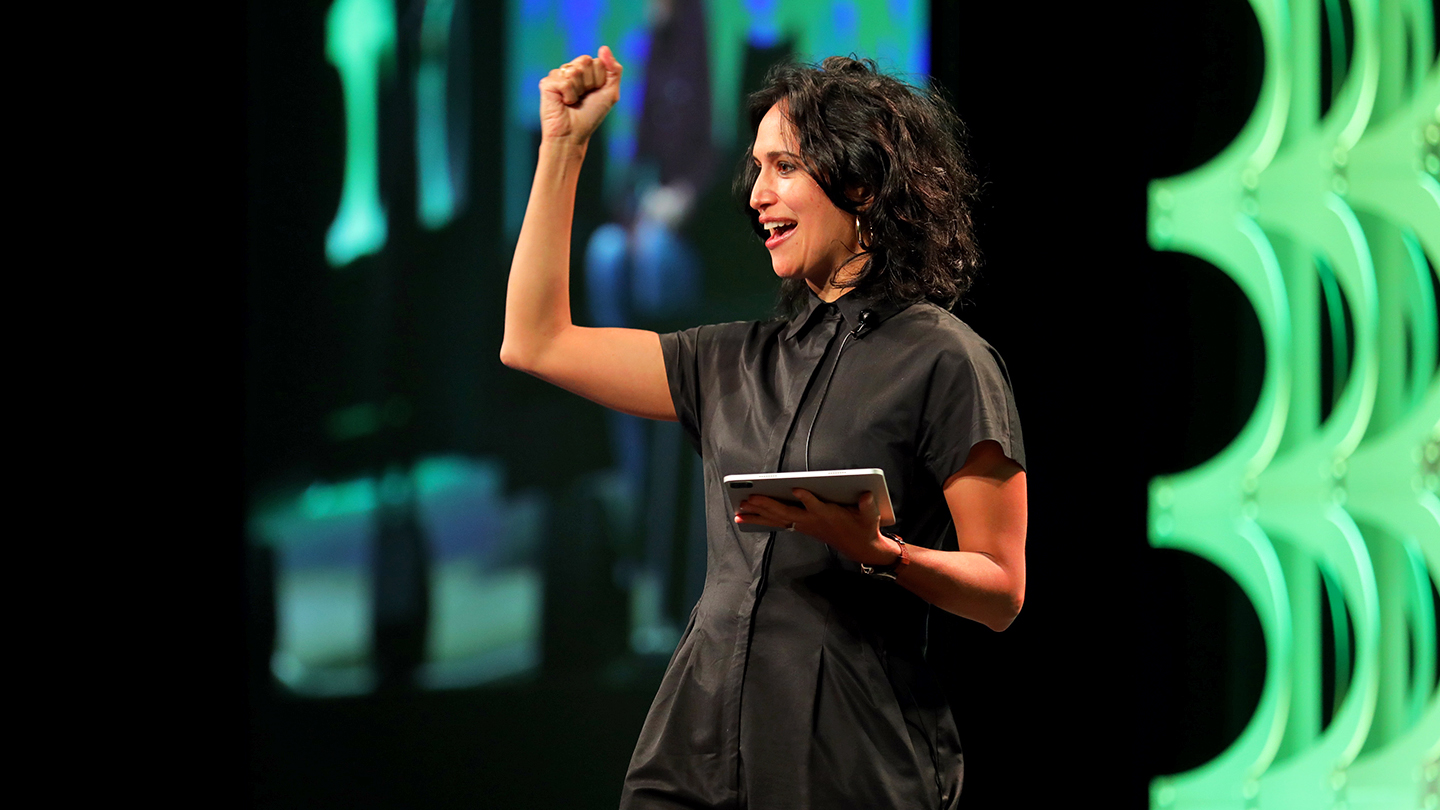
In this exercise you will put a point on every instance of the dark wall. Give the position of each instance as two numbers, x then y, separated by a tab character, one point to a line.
1124	663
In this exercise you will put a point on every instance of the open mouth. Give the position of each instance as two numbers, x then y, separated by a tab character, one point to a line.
779	232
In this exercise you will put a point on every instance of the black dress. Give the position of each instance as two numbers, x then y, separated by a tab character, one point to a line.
800	682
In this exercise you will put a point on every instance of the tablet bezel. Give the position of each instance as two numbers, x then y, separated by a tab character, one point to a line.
835	486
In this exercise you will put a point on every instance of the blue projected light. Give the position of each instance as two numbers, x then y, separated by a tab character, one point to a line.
847	19
764	23
547	33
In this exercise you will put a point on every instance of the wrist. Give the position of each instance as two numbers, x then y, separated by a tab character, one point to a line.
891	569
563	148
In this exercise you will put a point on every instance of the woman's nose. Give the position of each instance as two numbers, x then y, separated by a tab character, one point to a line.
760	194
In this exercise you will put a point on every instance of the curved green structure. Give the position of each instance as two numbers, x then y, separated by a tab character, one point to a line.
1326	218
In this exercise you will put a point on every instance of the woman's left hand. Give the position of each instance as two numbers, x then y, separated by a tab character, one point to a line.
854	531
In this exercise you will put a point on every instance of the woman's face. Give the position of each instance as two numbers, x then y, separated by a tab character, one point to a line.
809	237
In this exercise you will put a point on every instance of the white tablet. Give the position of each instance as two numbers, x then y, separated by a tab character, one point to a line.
836	486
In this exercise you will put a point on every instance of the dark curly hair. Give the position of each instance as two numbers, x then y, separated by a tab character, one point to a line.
902	148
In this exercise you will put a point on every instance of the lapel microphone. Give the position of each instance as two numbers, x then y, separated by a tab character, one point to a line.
864	324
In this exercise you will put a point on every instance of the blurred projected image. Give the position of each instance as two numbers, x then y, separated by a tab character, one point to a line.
651	256
522	556
357	562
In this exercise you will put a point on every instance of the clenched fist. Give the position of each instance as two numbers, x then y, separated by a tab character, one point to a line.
575	97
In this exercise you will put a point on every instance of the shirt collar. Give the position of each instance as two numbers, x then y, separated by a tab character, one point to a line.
810	311
852	305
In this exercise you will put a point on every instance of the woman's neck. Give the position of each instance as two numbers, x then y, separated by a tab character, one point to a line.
838	283
829	293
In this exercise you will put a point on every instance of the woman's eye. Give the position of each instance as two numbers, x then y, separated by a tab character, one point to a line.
785	168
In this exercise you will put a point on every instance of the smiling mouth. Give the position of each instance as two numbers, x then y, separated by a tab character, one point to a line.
779	232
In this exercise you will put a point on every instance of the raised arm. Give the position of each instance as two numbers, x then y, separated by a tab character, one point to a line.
619	368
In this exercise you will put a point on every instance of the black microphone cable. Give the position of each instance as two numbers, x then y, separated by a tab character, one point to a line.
857	333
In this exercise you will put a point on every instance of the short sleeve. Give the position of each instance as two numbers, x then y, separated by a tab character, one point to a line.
682	369
969	401
700	363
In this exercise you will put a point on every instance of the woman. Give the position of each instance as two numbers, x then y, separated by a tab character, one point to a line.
800	681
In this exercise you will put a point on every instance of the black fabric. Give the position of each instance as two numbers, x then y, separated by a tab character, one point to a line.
800	682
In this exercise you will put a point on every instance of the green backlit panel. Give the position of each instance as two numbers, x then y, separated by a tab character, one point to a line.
1306	211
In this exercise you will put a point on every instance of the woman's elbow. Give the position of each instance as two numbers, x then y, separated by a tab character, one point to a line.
509	356
528	350
1006	610
513	356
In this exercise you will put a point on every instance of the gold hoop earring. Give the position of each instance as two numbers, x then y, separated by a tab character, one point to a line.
858	243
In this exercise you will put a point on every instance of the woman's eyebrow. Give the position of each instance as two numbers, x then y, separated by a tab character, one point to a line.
776	155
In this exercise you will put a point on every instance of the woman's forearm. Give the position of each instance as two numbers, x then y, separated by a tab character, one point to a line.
537	299
984	580
967	583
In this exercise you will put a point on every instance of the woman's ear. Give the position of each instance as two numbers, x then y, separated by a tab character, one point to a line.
860	195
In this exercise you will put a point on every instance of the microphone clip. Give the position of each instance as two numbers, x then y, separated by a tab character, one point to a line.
863	325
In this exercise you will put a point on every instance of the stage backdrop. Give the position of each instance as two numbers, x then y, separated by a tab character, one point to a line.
1210	230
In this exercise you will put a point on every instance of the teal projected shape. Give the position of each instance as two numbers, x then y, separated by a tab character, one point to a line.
360	43
438	160
1348	202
